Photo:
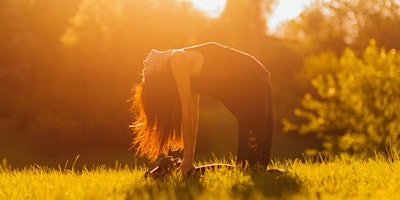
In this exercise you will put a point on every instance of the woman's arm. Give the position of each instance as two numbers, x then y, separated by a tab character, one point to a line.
182	64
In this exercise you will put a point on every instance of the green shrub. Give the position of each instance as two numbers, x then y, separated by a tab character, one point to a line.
357	108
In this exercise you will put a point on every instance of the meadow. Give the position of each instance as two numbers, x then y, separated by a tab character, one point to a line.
310	178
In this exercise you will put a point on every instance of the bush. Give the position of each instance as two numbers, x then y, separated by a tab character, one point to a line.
357	108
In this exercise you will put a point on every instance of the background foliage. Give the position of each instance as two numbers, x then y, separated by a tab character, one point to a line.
67	68
356	110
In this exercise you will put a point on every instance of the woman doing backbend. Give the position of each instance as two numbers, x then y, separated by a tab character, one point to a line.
166	102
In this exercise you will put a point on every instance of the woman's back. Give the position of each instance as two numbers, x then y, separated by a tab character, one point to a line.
234	77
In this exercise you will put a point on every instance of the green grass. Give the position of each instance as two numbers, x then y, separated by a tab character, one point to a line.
335	178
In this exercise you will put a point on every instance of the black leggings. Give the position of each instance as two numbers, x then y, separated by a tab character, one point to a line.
255	140
255	131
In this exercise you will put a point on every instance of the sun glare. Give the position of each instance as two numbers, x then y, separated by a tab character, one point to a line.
212	8
282	11
286	10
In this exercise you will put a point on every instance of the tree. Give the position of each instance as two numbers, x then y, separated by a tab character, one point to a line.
333	25
29	56
357	108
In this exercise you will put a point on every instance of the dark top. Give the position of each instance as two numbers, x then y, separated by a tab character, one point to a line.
238	79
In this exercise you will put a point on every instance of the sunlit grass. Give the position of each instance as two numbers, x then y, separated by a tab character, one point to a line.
334	178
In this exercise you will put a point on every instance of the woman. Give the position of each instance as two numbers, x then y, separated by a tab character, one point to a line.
166	102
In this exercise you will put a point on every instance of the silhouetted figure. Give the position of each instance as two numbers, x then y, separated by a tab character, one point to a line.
166	101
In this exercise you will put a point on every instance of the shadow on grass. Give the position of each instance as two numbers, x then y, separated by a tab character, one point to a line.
271	185
257	185
173	187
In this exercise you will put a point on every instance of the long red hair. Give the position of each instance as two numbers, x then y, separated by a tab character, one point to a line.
158	119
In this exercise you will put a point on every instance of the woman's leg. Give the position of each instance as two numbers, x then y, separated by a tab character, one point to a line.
255	139
256	130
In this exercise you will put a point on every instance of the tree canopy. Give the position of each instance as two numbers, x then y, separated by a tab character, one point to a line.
333	25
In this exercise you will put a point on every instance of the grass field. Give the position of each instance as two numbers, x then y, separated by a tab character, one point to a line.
335	178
